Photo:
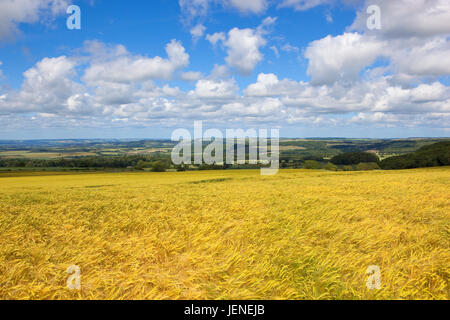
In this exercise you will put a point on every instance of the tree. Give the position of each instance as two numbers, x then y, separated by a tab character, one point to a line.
351	158
159	166
367	166
141	165
330	167
437	154
311	164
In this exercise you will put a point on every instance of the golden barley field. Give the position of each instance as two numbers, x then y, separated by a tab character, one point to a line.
226	235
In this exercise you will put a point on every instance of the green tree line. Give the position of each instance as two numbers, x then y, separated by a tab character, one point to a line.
434	155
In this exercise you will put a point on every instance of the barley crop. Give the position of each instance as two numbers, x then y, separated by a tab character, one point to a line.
300	234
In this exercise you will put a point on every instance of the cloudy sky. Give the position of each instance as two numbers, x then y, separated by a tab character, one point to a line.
140	69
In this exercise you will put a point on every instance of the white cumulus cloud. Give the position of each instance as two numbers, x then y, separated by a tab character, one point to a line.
127	68
408	18
197	32
15	12
243	49
341	58
302	5
208	88
191	75
215	38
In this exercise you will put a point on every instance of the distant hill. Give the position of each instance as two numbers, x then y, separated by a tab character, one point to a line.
350	158
437	154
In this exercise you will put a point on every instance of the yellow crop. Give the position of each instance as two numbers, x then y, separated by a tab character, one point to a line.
226	235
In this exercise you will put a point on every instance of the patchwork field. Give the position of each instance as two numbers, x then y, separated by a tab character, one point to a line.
300	234
42	155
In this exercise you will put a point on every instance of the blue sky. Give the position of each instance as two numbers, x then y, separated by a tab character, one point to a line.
144	27
140	69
